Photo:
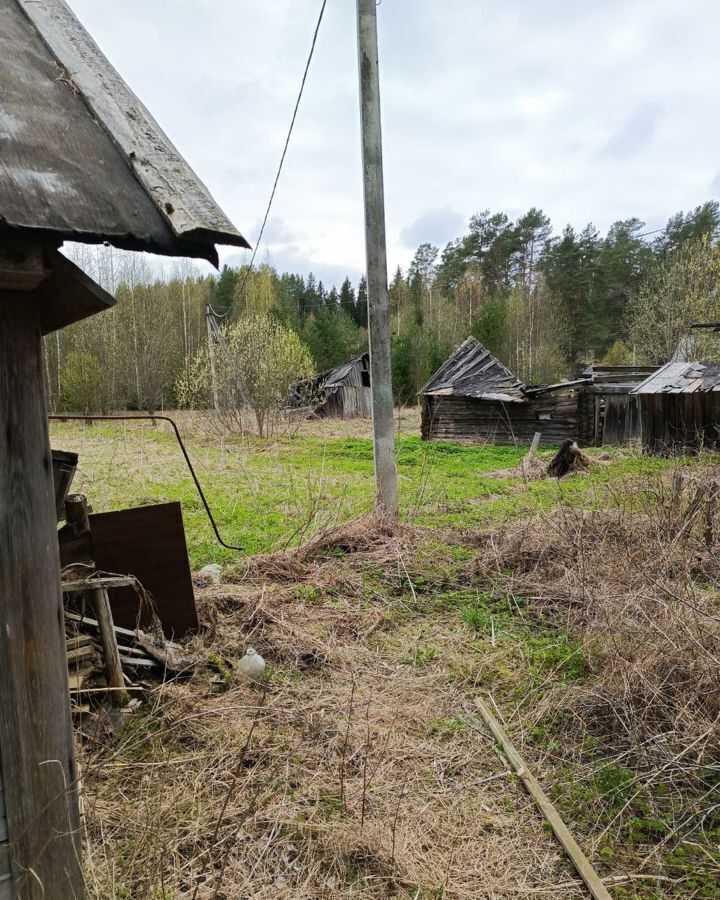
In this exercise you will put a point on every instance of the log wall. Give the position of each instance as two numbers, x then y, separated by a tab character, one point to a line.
483	421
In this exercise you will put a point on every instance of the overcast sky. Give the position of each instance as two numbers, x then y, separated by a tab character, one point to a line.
593	111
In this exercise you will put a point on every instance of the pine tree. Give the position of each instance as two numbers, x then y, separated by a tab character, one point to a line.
361	309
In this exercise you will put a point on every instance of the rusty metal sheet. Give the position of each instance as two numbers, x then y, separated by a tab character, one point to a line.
149	543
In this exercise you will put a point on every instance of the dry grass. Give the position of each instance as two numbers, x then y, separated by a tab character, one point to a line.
357	772
635	583
360	770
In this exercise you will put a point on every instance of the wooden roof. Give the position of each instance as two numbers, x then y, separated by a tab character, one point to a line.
81	158
473	371
682	378
336	376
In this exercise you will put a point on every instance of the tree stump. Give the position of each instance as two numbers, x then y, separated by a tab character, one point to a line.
569	458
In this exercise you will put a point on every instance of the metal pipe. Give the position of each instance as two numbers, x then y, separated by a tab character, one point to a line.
61	418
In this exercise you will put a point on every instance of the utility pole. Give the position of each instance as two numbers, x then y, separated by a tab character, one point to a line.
386	499
211	354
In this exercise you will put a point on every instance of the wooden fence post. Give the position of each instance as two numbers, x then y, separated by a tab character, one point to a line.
36	740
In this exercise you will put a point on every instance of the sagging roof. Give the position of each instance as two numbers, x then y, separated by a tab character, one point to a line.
682	378
81	158
473	371
335	377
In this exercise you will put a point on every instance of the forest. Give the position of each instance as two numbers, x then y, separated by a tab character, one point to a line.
544	302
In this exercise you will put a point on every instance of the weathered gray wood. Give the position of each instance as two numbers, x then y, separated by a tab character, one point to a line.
22	266
90	584
579	860
36	741
113	666
386	496
5	876
177	192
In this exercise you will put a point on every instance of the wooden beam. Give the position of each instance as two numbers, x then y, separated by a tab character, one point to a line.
579	860
36	740
22	265
113	666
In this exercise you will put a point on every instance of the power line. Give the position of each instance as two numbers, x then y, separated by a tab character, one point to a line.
282	158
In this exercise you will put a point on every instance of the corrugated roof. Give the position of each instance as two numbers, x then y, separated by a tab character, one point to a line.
682	378
80	156
473	371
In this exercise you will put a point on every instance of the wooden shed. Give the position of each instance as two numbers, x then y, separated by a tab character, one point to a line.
343	392
680	407
80	159
474	397
608	410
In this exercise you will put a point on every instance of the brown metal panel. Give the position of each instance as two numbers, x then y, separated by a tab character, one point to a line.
149	543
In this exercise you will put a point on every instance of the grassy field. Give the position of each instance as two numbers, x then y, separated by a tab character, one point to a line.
587	610
266	495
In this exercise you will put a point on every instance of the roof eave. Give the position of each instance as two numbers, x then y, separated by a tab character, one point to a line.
182	199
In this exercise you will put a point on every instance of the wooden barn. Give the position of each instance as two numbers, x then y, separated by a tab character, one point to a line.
608	410
474	397
680	407
80	159
340	393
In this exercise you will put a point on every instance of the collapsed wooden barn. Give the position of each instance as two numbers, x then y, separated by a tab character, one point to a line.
474	397
343	392
80	159
680	408
608	411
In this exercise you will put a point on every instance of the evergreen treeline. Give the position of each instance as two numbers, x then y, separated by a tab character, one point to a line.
541	302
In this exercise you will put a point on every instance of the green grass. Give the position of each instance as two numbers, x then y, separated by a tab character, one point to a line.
268	494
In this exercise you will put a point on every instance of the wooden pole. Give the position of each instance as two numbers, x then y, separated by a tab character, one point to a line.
36	740
113	666
376	260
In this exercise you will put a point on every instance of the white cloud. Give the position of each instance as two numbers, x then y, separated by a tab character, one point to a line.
593	112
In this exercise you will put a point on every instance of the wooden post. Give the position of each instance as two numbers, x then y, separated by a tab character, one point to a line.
113	666
376	259
36	740
211	354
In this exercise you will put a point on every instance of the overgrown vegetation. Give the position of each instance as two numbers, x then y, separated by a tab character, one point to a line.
587	608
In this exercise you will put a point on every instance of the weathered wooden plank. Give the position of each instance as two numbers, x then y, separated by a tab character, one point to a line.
36	742
113	666
579	860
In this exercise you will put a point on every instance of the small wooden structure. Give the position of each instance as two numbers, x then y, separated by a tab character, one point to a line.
474	397
680	407
608	411
342	393
80	159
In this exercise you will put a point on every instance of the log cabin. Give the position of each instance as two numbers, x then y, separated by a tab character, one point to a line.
474	397
679	408
341	393
81	159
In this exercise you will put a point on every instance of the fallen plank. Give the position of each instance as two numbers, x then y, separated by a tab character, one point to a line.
572	848
81	655
93	623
